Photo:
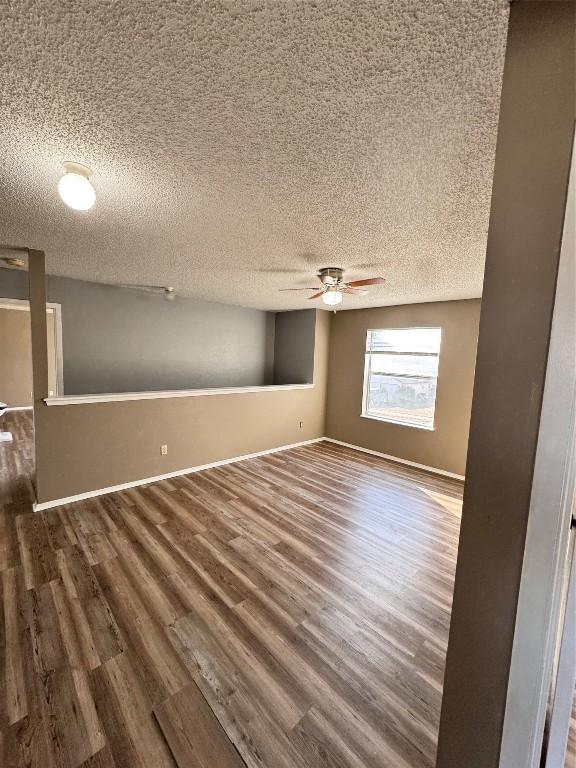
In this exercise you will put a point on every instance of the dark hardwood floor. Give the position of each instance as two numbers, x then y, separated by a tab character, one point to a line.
285	611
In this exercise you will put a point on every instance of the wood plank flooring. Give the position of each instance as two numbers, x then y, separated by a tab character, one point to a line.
289	611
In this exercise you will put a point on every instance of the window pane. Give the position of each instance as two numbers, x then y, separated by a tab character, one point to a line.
407	400
405	364
404	340
401	375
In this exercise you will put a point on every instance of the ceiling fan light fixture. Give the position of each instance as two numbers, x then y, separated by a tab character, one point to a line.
332	297
75	188
14	262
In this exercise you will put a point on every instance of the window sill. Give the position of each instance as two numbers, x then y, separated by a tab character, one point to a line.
397	423
117	397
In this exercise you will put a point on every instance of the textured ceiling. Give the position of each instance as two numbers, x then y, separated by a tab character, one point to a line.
237	146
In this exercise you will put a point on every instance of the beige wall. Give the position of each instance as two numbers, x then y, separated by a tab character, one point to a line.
80	448
492	692
443	448
16	357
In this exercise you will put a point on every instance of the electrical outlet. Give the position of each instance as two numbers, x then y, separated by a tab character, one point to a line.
163	450
301	424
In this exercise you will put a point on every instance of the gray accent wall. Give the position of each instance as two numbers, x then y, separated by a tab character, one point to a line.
13	284
121	340
294	347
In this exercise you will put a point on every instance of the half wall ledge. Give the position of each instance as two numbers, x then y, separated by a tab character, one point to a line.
163	394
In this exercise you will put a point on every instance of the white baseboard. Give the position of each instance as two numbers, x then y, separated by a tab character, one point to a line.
38	507
396	459
20	408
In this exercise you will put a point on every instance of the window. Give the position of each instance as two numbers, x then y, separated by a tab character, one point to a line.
400	374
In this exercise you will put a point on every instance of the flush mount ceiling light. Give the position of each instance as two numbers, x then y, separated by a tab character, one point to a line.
75	188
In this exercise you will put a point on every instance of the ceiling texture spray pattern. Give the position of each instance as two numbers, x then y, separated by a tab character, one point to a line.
238	146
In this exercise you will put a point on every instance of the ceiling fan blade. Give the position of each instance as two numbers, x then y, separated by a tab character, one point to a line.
297	289
316	295
355	291
366	281
152	290
136	287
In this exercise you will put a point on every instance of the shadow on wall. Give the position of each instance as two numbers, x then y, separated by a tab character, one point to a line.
294	347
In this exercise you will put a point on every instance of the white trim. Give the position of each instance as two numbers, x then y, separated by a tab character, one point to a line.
17	304
397	459
565	683
19	408
116	397
56	310
58	347
24	305
365	413
38	507
398	423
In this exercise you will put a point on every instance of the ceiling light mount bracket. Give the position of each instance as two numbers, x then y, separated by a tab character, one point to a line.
81	170
331	275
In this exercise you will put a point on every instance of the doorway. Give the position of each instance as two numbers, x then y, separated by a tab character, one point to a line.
16	352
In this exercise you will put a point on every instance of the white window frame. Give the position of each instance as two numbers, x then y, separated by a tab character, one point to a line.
366	382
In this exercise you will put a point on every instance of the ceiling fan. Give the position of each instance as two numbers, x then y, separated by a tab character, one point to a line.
12	257
334	286
166	291
13	262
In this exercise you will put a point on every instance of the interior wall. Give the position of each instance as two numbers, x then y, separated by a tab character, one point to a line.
16	357
444	447
80	448
481	686
13	284
294	347
120	340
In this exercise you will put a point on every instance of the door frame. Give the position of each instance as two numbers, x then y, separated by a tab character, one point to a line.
564	685
549	522
51	308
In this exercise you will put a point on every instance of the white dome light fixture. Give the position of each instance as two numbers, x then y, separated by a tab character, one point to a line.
75	188
332	297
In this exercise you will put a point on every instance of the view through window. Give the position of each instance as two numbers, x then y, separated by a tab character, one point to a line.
400	375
